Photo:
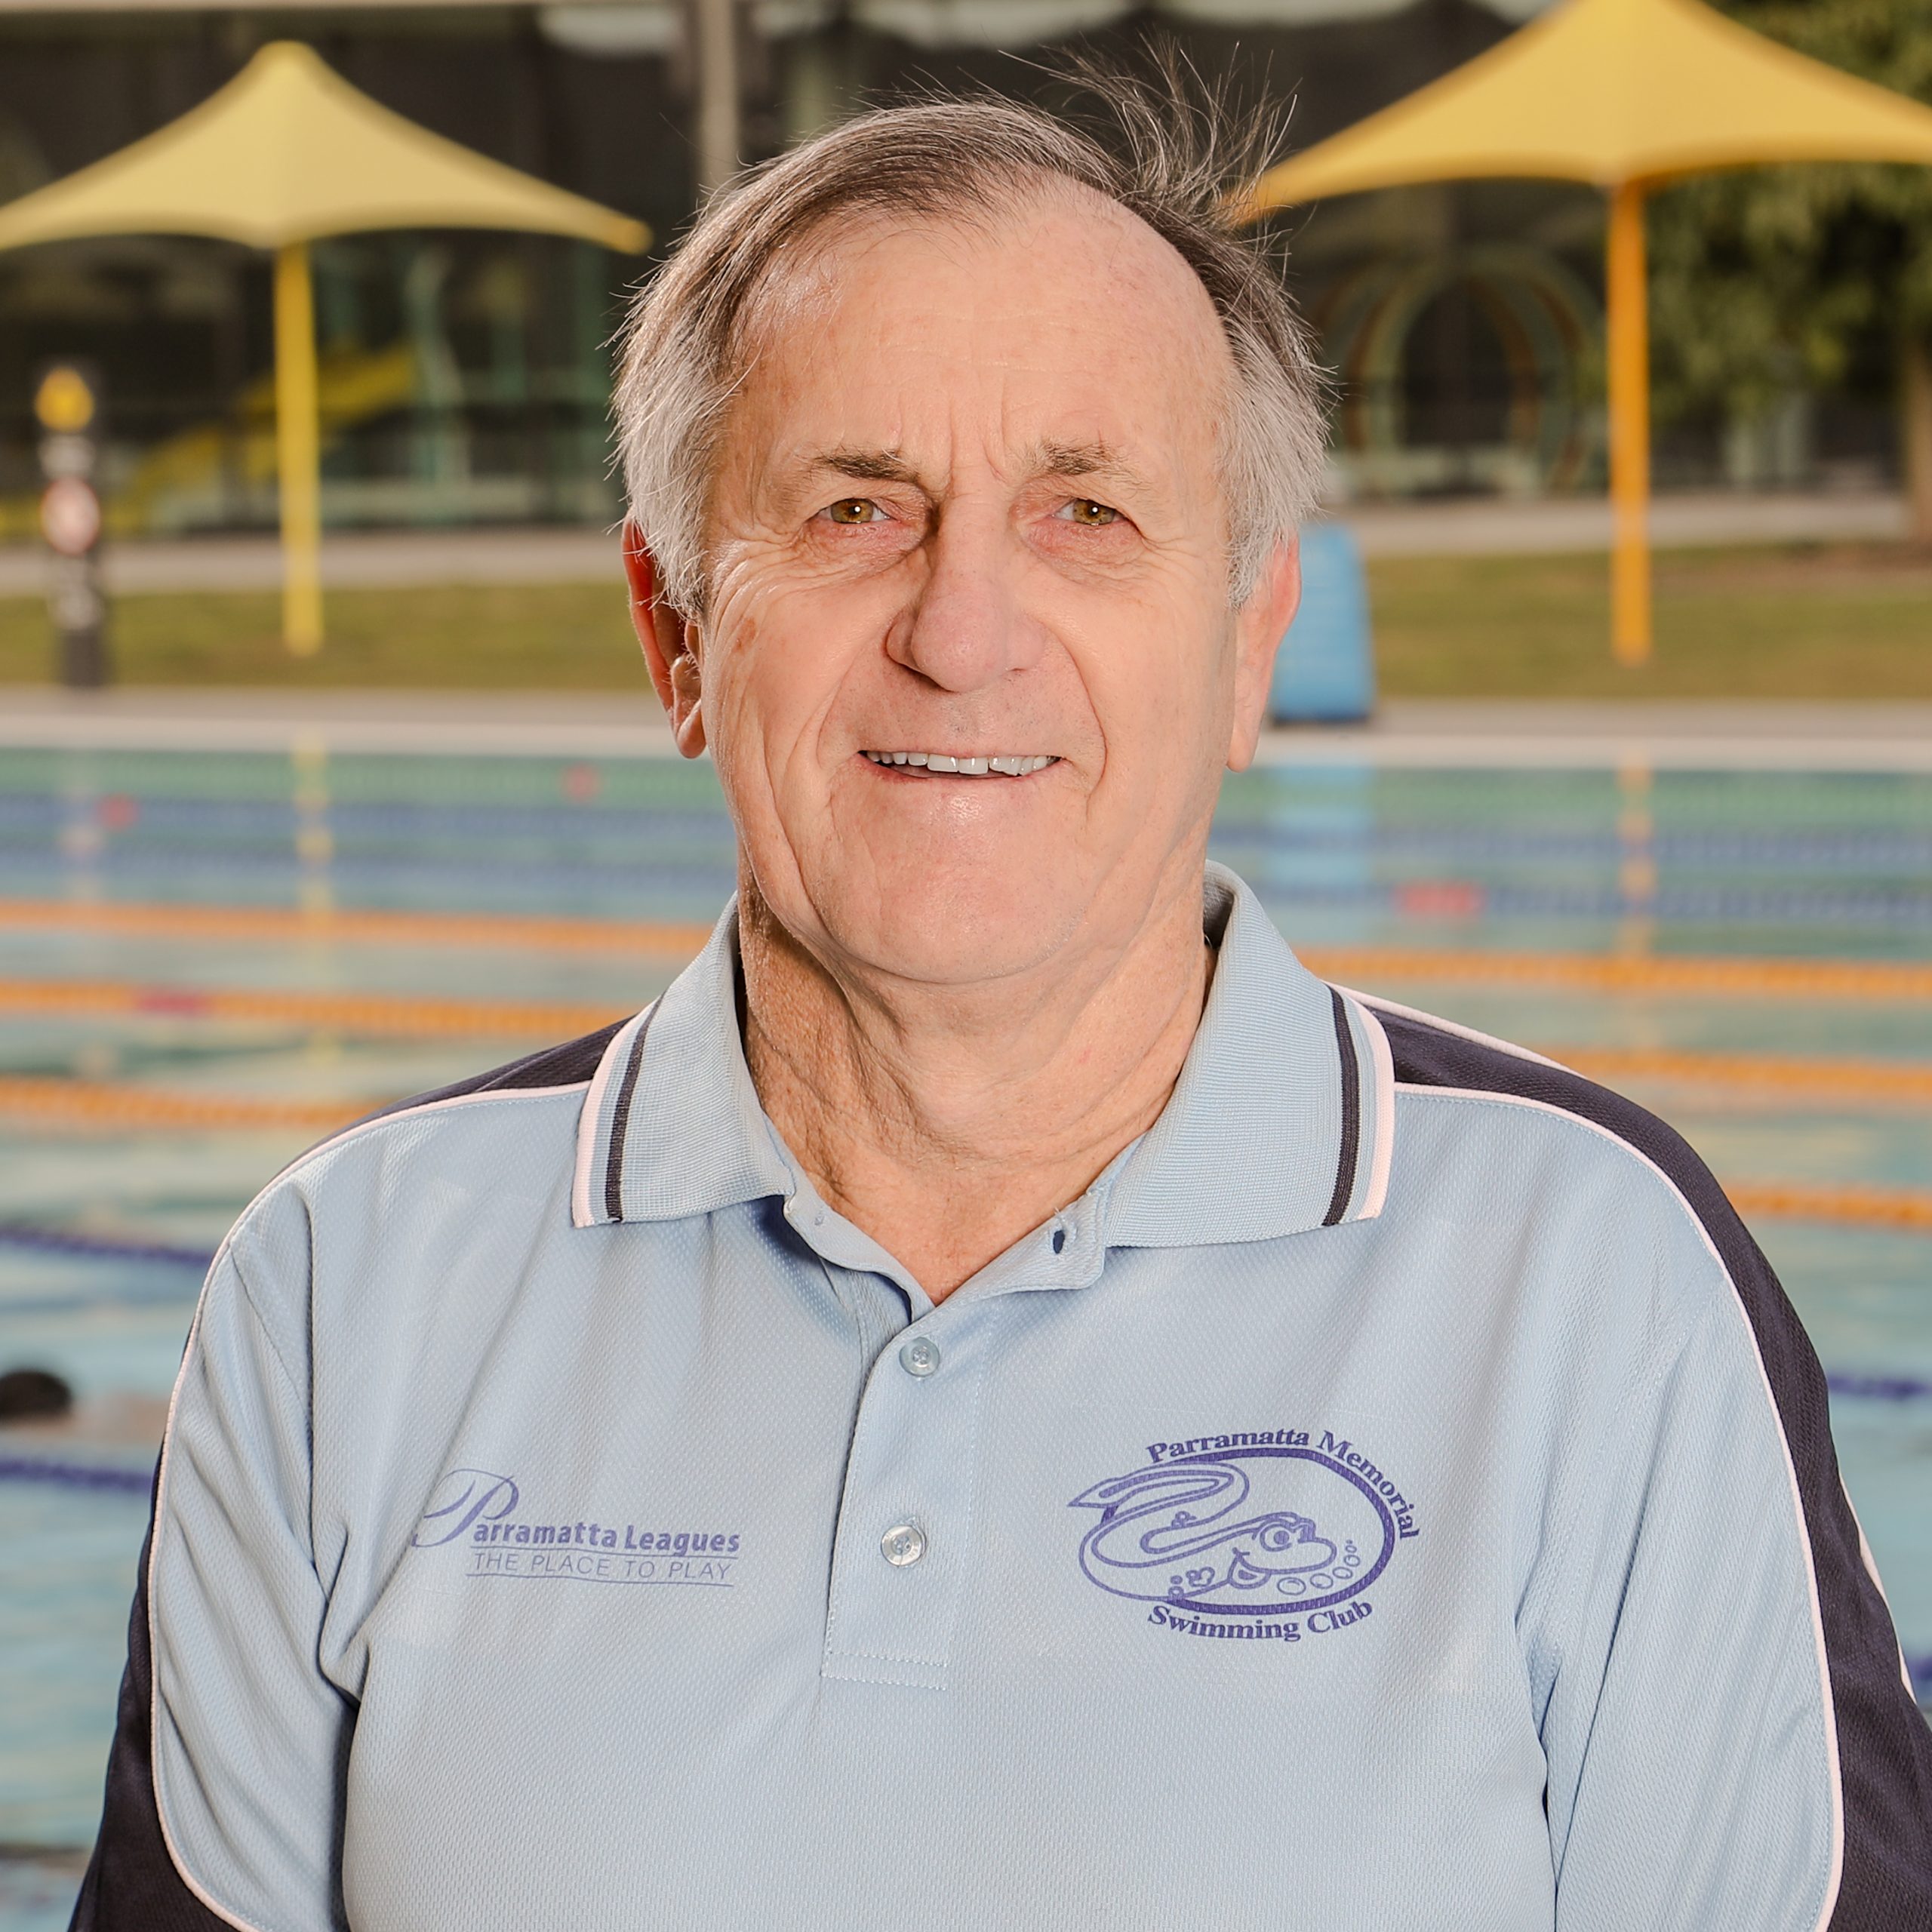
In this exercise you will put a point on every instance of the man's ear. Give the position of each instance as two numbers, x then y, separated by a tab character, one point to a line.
1259	626
669	643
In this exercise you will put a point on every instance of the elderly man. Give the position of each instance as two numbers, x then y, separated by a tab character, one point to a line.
1017	1405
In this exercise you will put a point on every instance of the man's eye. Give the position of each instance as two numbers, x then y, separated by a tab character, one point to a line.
1084	510
854	510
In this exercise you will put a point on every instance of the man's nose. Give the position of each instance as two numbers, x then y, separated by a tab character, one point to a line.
966	627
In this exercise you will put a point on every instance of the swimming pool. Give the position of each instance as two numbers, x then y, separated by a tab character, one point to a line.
205	959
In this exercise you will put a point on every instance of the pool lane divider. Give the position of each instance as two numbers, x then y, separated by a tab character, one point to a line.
373	926
380	1015
108	1104
1894	982
1790	1077
406	1015
1906	1208
1881	1387
102	1247
96	1476
1902	982
1818	1081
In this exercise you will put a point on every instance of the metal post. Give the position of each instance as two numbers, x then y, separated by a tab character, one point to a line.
298	451
717	92
1627	301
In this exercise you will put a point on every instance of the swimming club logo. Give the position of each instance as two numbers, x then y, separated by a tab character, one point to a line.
481	1512
1266	1534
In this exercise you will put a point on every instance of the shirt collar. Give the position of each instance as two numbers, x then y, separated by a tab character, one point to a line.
672	1124
1281	1120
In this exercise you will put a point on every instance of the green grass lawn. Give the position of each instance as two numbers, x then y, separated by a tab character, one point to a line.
1812	622
485	637
1816	622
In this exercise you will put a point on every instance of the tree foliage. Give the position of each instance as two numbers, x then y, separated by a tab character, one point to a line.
1770	279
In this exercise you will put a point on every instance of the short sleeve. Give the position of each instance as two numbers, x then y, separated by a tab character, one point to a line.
224	1802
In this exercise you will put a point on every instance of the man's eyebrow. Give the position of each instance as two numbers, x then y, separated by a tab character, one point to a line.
1080	460
1072	460
866	466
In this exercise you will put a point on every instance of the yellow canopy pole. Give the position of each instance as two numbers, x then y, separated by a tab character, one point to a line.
1630	92
1628	303
298	452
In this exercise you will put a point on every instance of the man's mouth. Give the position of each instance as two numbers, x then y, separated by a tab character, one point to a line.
1001	764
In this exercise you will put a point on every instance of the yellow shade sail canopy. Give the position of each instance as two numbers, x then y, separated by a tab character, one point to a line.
1623	94
1610	91
288	152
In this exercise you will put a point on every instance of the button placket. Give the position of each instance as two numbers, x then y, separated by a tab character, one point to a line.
899	1562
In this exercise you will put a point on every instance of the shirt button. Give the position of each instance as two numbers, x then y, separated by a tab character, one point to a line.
919	1356
904	1543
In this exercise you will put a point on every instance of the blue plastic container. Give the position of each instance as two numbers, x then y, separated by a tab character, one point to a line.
1325	672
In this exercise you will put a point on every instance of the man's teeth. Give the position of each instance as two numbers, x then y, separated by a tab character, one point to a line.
966	767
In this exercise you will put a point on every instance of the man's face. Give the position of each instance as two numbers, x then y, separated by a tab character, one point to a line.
968	509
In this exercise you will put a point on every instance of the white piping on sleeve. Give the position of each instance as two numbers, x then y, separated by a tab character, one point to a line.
1835	1876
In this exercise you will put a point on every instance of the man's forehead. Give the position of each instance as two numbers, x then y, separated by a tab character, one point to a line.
1093	265
1087	332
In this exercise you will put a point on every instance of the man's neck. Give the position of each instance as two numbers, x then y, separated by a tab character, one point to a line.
947	1124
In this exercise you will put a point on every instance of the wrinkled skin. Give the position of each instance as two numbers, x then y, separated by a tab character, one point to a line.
968	501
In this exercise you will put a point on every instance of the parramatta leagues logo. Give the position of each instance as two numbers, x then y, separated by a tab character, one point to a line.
480	1511
1265	1533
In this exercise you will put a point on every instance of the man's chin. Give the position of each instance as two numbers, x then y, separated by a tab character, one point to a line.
943	932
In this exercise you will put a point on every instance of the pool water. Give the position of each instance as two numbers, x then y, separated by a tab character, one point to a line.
157	1064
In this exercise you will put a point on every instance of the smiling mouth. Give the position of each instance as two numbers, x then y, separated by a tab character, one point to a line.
947	765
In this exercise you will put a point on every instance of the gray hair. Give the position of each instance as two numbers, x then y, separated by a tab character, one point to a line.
684	342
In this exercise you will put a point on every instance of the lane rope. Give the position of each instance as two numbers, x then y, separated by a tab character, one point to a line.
76	1476
107	1247
356	926
106	1103
1907	1207
1842	1080
1856	1082
384	1015
1899	981
1903	982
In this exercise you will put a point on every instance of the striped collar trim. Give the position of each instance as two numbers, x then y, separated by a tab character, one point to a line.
1282	1121
597	1185
671	1123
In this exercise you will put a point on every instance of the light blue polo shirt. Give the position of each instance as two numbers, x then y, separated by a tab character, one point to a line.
1390	1496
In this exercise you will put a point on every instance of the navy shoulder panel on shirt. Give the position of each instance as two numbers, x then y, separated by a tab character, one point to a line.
574	1063
1884	1746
